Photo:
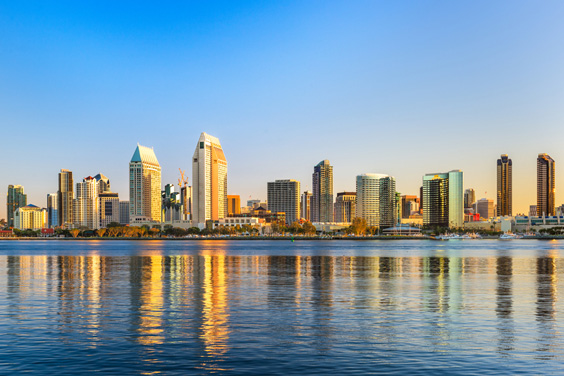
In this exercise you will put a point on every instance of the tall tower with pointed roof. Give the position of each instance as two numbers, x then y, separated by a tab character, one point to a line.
209	180
144	185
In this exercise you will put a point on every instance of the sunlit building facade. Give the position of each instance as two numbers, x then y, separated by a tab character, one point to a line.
209	180
86	205
469	198
30	217
233	205
109	207
376	199
345	207
16	198
305	205
546	185
145	185
322	199
504	186
443	199
284	197
66	198
52	210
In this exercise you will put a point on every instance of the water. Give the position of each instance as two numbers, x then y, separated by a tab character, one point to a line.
277	307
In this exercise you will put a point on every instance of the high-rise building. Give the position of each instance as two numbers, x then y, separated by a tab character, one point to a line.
144	185
15	199
52	210
86	205
345	207
103	183
305	205
485	208
469	198
209	180
284	197
409	204
233	205
546	185
124	213
504	186
109	205
443	199
322	200
66	197
30	217
376	199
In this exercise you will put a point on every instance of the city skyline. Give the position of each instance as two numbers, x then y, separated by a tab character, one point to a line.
447	75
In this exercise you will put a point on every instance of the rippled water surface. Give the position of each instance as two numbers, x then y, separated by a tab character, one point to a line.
277	307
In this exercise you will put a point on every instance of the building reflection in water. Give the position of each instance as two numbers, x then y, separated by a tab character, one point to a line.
504	305
547	280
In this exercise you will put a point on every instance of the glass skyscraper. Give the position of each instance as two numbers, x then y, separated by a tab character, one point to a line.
504	186
376	199
546	185
443	199
322	199
15	199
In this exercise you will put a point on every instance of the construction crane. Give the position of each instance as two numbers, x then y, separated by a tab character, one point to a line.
183	181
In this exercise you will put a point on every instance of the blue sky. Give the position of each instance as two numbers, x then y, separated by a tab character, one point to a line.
404	88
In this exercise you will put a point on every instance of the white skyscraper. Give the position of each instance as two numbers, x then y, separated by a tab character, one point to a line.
144	185
86	205
209	180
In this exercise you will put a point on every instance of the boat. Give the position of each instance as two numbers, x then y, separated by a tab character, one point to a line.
509	236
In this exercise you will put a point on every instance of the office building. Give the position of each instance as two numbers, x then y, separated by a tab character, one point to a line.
66	197
409	204
124	213
103	183
86	212
284	197
546	185
233	205
30	217
345	207
443	199
469	198
144	185
376	199
322	199
305	205
209	180
532	210
16	198
52	210
109	207
485	207
504	186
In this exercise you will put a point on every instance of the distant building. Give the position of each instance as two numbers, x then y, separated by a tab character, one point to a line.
15	199
284	197
485	208
109	208
86	205
504	186
172	206
305	205
375	199
443	199
209	180
253	203
145	185
469	198
345	207
533	211
322	199
546	185
124	213
233	205
409	205
30	217
103	183
66	198
52	210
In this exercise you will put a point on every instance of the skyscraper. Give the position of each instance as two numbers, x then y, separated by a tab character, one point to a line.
504	186
109	208
345	207
209	180
86	205
305	205
376	199
103	183
15	199
409	204
322	200
469	198
66	196
234	205
284	197
52	210
546	185
144	185
443	199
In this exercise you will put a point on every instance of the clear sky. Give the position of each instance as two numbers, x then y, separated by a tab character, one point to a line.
398	87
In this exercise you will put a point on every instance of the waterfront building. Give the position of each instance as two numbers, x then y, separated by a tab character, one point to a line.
443	199
30	217
16	198
322	199
52	210
209	180
376	199
469	198
86	205
504	186
103	183
233	205
305	205
145	185
172	207
546	185
409	205
485	208
109	205
66	197
345	207
284	197
124	213
533	210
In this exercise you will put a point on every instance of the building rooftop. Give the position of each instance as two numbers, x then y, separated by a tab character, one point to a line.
145	154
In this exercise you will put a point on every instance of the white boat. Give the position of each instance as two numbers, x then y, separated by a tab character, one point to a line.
449	237
509	236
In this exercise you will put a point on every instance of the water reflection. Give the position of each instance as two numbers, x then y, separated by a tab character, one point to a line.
214	305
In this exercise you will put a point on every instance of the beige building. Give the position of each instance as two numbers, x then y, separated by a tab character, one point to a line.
322	199
86	206
209	181
345	207
144	185
305	205
485	208
30	217
109	208
233	205
375	199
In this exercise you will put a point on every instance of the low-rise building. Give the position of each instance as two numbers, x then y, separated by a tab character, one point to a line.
30	217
